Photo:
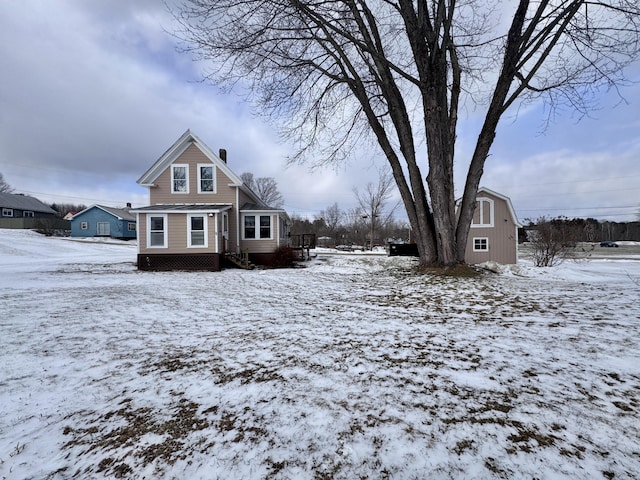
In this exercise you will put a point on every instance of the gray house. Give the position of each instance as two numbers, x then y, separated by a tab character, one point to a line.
22	211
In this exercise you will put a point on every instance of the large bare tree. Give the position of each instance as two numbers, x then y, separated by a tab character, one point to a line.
266	188
337	72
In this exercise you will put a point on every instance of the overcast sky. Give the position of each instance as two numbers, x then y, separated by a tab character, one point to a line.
93	92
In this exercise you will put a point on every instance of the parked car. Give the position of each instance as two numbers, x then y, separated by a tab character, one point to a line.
608	244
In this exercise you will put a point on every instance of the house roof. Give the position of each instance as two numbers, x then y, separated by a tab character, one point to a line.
193	208
252	207
507	201
119	213
18	201
255	207
167	158
187	139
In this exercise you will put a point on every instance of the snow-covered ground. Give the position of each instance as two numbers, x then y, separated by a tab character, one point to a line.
355	367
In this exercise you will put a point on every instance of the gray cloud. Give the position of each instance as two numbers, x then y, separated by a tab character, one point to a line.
92	93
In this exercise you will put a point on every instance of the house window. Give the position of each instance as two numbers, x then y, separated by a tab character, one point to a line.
84	225
483	214
7	212
179	178
131	227
28	214
206	180
480	244
263	224
197	235
249	226
157	231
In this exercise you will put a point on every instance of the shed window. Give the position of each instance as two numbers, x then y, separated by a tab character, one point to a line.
84	225
483	214
7	212
179	178
480	244
131	226
28	213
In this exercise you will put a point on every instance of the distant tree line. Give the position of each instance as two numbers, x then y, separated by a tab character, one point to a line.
573	230
64	208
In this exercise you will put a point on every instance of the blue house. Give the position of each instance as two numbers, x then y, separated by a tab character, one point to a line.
101	221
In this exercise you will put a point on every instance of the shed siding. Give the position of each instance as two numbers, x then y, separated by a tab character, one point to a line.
502	236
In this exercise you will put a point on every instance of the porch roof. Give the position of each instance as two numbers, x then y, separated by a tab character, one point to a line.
185	208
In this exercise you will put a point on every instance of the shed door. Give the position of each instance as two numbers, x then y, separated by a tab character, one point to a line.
103	228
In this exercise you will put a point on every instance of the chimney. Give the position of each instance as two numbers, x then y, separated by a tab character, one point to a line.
128	205
223	155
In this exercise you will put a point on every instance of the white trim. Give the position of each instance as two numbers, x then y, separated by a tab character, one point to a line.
165	225
225	208
216	233
186	170
213	177
7	212
238	220
483	223
205	226
486	240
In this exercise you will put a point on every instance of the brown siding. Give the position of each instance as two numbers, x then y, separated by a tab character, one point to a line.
502	236
142	232
262	246
177	236
192	156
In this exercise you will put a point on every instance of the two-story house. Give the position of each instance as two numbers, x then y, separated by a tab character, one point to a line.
200	211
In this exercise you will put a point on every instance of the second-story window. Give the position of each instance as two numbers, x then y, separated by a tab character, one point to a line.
206	180
179	178
483	214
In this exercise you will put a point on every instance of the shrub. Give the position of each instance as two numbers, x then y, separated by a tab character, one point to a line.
283	257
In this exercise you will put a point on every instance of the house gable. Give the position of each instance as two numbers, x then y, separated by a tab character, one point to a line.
187	140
